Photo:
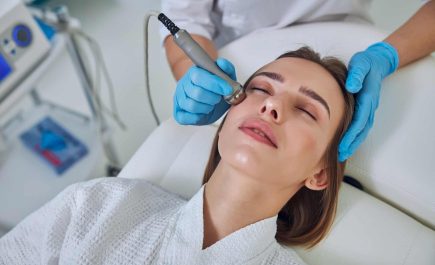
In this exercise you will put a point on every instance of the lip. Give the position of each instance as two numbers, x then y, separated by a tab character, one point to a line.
261	125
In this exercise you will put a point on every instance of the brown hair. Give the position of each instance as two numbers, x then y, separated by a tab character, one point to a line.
308	215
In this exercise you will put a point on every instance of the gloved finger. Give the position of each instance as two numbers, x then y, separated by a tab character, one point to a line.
209	81
342	156
187	104
359	67
202	95
227	67
183	117
187	118
371	91
376	96
362	135
359	120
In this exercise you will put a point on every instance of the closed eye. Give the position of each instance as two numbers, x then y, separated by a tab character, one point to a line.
260	89
309	113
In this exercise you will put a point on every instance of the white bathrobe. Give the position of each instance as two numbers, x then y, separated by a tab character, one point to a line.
126	221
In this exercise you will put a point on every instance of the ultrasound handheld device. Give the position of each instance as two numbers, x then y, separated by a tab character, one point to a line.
194	51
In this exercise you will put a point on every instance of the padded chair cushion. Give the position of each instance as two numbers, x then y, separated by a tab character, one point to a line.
174	157
369	231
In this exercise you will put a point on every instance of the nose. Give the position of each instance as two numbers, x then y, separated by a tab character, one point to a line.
272	107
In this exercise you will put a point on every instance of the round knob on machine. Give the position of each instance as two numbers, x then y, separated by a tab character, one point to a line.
22	35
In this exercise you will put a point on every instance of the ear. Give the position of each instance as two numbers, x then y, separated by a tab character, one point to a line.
318	181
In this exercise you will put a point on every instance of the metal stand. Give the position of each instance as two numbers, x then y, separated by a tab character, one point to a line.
32	185
63	26
87	88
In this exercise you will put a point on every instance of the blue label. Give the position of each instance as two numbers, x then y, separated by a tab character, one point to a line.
61	155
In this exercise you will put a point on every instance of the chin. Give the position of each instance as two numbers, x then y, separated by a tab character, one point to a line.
243	158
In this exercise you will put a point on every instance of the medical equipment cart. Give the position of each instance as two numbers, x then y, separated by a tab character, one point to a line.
26	182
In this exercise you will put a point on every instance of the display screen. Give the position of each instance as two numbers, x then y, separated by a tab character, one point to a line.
5	68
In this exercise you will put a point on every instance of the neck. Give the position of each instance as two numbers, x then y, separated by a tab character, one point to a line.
233	200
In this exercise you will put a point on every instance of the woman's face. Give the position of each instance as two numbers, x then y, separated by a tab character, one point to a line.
298	105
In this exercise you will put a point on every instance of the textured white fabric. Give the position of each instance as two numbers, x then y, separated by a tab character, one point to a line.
226	20
126	221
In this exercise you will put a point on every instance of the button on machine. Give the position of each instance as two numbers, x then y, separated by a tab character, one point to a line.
22	35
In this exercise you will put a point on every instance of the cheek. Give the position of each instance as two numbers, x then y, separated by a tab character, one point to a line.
239	150
303	149
246	107
236	149
238	113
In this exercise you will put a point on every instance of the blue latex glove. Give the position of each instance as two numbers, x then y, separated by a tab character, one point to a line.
367	69
52	141
198	98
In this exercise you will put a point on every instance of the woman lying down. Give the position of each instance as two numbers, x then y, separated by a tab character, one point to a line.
271	182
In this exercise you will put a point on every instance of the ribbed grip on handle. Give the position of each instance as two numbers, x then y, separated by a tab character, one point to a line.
168	23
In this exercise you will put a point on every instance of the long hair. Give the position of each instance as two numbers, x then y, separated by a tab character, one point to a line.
308	215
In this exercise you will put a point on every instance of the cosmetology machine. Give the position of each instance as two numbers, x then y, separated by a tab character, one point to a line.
22	45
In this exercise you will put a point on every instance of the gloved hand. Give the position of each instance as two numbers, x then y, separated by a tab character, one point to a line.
198	98
367	69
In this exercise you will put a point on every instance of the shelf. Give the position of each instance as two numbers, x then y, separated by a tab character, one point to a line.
26	181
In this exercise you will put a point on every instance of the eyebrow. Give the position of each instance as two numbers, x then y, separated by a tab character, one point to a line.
303	89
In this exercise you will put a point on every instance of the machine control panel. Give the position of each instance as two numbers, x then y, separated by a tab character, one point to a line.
13	44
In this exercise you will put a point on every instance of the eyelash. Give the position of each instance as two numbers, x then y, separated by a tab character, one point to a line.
307	112
301	109
261	89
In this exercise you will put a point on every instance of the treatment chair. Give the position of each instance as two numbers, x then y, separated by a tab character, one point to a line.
392	220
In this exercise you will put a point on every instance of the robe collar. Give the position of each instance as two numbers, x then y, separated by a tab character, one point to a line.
236	247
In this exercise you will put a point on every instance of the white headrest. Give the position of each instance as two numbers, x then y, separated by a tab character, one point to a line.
395	162
173	156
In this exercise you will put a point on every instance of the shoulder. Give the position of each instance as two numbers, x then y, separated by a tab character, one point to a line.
114	185
285	255
112	192
120	206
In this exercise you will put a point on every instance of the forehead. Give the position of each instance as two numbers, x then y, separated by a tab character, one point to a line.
301	72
